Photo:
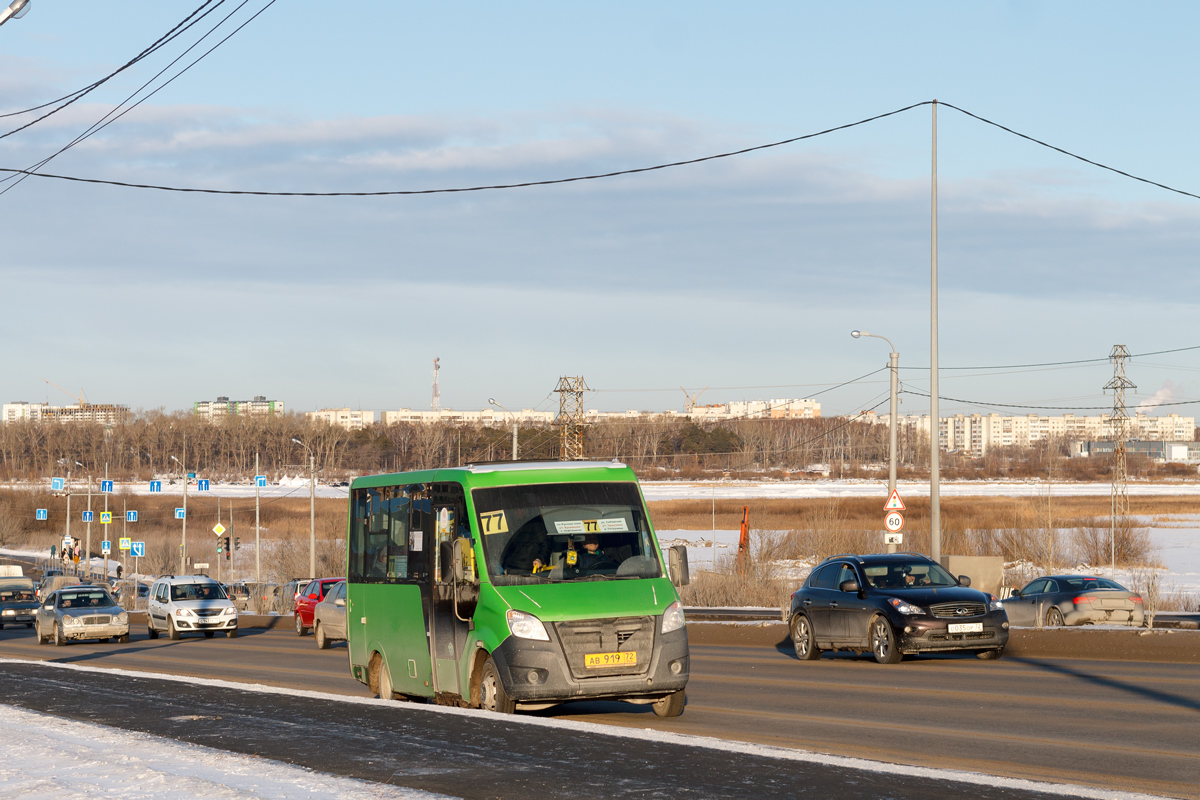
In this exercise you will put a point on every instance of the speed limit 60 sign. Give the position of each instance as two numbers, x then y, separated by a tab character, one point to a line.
894	521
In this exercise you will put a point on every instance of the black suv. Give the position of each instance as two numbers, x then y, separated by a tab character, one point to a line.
892	605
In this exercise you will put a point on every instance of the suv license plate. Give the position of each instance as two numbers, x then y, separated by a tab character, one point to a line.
593	660
965	627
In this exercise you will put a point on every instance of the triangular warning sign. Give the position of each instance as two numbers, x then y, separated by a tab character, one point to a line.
894	502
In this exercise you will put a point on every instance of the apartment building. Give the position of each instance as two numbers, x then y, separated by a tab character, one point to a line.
975	434
102	413
223	407
489	416
346	418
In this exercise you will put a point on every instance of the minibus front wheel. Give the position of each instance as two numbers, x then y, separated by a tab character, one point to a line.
671	705
492	695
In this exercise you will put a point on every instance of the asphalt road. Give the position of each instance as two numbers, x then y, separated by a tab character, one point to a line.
1122	725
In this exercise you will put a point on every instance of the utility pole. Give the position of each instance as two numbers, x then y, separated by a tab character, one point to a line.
218	540
436	405
68	534
106	530
570	417
1120	472
257	545
492	401
89	528
935	435
894	367
312	506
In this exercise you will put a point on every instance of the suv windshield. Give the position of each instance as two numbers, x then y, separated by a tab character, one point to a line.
906	574
197	591
94	598
565	532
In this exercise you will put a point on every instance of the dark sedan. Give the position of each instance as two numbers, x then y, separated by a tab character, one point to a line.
1074	600
893	605
17	602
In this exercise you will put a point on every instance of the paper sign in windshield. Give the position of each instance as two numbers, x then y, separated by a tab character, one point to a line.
591	525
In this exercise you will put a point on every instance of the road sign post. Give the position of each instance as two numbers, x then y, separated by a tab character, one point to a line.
893	506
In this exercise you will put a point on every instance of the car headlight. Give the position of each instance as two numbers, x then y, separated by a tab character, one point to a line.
184	612
230	610
995	604
673	617
122	618
9	612
70	621
526	626
904	607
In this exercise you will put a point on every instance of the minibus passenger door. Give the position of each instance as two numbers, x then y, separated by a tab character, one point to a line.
448	633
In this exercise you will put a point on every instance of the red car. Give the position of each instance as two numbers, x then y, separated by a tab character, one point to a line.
306	601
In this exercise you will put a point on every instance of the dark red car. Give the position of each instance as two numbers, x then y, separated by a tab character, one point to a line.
306	601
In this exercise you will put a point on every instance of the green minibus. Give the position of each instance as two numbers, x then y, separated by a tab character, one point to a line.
513	585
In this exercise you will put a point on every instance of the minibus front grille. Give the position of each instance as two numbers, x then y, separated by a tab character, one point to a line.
620	635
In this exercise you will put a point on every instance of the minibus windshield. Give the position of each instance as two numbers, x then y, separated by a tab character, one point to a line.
550	533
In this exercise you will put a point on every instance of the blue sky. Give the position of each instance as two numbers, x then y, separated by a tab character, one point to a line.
742	273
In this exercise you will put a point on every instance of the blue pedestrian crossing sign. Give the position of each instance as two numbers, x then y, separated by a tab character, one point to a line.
137	549
202	485
123	543
260	481
43	513
105	517
180	513
88	516
155	486
56	484
131	516
106	487
105	547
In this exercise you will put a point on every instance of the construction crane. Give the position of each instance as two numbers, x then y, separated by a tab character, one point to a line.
81	398
692	398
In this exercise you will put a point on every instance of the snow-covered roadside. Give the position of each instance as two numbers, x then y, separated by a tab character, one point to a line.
43	756
558	727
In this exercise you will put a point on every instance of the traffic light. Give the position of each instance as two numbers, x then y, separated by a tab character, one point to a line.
237	543
226	548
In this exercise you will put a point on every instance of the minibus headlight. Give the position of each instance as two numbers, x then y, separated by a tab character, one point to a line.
526	626
673	617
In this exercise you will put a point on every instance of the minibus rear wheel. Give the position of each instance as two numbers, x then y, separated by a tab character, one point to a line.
492	696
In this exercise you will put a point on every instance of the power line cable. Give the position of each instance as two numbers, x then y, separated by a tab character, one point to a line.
104	121
1064	363
78	94
1069	153
1040	408
473	188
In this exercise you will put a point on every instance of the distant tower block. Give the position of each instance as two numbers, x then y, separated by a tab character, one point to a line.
570	418
437	392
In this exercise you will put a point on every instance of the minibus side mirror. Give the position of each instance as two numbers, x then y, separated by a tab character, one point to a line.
677	565
464	560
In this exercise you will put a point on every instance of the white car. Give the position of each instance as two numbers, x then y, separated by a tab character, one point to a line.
190	603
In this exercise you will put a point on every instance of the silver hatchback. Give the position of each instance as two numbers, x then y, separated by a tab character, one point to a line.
81	612
329	616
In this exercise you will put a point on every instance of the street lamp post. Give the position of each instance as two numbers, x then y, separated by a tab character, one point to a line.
16	9
493	402
894	368
312	510
183	537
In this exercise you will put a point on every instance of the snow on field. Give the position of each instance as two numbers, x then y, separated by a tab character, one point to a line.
788	490
42	756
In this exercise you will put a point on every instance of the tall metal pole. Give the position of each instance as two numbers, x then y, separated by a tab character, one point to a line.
935	435
183	536
894	365
89	528
257	547
312	515
218	541
514	437
106	529
68	534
